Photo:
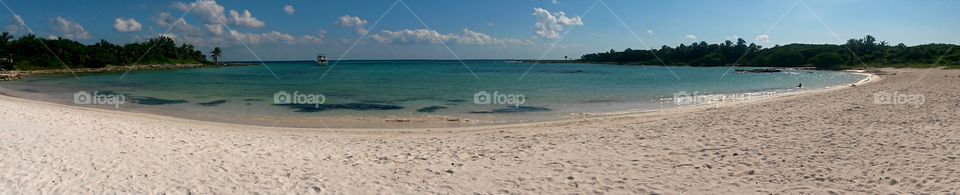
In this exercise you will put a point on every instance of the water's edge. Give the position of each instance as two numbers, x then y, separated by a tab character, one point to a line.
431	120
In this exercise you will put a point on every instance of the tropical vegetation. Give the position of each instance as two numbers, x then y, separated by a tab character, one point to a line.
216	54
30	52
855	53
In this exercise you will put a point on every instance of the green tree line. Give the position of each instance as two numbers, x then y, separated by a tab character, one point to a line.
30	52
854	53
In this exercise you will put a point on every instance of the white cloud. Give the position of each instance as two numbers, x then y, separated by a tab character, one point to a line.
425	36
650	32
18	20
165	20
549	25
211	13
416	36
271	37
555	1
245	20
208	11
17	25
216	29
181	6
289	9
361	31
213	30
183	32
314	39
691	37
126	25
351	21
763	38
347	21
168	35
69	29
476	38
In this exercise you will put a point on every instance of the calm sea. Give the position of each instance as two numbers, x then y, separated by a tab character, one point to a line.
411	93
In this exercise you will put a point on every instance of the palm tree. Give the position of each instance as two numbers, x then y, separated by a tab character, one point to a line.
216	54
5	38
564	57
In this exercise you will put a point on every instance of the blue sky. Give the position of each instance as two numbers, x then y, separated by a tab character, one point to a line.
498	29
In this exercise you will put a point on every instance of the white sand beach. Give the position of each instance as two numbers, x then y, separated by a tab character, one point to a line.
831	141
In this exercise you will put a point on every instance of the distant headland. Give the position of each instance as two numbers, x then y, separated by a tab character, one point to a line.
855	53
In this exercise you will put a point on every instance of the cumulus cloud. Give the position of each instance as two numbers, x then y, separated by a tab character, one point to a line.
16	26
650	32
691	37
164	19
347	21
415	36
351	21
212	15
431	37
314	39
182	31
476	38
245	20
178	25
126	25
763	38
208	11
289	9
216	29
69	29
271	37
549	25
360	31
214	26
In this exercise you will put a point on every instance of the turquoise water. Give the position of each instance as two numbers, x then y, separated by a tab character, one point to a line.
422	93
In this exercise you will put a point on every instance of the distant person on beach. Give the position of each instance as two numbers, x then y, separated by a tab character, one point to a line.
800	85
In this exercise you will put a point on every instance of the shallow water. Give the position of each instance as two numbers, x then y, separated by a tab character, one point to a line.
412	93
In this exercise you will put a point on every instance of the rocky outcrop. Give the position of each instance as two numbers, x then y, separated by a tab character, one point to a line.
120	68
15	75
763	70
10	75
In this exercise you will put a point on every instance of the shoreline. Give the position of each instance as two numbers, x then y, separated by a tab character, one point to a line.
363	122
837	140
467	124
20	74
532	61
430	122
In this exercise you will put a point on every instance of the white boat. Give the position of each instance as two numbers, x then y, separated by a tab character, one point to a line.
322	60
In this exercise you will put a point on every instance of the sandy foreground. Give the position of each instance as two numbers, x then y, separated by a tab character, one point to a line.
831	141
